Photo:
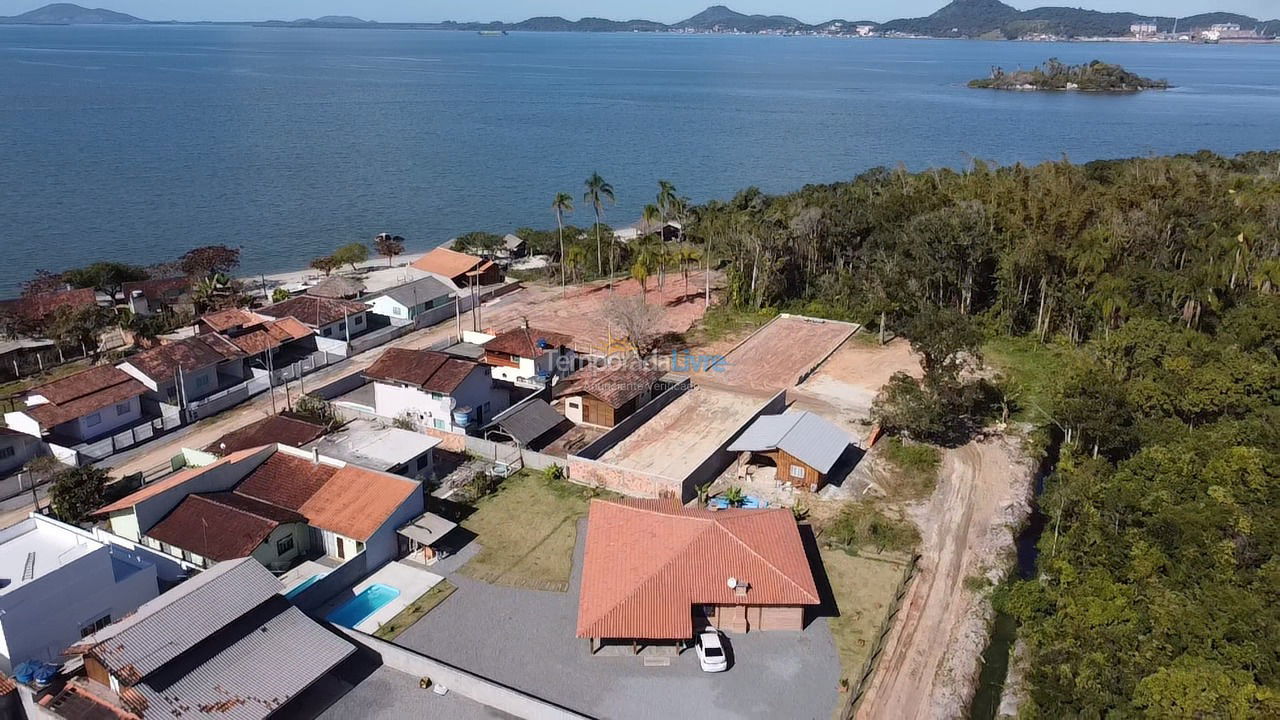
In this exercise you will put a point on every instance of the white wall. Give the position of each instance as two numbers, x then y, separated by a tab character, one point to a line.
383	546
150	511
389	307
43	617
165	390
23	423
335	330
393	401
110	419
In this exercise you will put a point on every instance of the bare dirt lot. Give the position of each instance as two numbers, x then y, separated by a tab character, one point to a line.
929	666
583	313
675	441
777	355
848	381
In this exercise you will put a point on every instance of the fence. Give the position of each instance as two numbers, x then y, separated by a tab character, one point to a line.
261	382
32	357
859	689
371	340
106	447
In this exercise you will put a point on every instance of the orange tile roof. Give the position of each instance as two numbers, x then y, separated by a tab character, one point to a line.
229	319
430	370
286	481
647	563
173	481
356	502
613	385
449	263
221	526
314	311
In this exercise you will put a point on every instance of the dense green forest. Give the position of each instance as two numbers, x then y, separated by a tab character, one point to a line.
1152	283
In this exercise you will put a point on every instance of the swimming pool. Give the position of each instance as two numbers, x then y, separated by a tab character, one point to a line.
359	608
300	587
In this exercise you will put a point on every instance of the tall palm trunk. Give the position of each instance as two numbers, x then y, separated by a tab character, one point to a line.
560	224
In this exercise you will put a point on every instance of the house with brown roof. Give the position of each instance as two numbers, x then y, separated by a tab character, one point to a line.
178	372
260	338
277	504
605	395
81	407
436	390
461	269
530	356
283	429
333	318
656	572
152	297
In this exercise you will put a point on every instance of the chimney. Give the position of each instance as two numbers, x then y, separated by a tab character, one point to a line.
315	455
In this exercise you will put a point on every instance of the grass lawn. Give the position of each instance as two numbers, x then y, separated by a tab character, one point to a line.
404	619
1033	366
527	531
863	586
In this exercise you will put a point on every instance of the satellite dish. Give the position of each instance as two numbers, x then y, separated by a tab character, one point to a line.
453	403
732	583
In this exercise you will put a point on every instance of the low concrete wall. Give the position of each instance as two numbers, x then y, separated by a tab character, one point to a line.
323	590
635	483
469	685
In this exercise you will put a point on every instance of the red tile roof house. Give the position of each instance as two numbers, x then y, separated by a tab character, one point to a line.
80	408
655	572
277	504
186	370
435	390
261	339
333	321
530	356
151	297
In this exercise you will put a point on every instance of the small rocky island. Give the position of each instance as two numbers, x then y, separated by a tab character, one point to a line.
1096	76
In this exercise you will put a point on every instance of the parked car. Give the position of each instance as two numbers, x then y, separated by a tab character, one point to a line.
711	655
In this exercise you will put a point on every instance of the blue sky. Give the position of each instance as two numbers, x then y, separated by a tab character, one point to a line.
664	10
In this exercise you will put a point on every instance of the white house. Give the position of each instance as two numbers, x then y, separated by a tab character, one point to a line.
16	448
530	356
81	407
423	302
436	390
58	584
277	504
373	445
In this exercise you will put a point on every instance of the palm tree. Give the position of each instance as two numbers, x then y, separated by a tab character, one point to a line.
598	192
652	217
640	271
684	256
561	205
668	199
575	259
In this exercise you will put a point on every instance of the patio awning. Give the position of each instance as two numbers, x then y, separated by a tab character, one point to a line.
427	528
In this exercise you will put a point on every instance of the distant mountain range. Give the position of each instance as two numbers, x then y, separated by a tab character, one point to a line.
962	18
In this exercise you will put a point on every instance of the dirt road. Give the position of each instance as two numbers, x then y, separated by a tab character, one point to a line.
929	666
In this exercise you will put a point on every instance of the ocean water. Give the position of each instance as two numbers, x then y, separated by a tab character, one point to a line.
138	143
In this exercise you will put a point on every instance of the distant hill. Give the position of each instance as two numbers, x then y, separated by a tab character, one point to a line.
719	17
69	14
994	19
343	21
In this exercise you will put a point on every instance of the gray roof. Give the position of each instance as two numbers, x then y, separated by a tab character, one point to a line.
512	242
528	421
373	445
270	663
811	439
176	621
427	528
420	291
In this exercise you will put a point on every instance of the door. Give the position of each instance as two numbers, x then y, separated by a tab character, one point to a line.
587	415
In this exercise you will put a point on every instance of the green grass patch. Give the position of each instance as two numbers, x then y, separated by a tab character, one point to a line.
722	321
863	588
1034	369
405	619
917	464
865	526
527	530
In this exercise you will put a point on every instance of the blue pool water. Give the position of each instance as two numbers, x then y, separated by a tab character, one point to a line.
357	609
304	585
750	502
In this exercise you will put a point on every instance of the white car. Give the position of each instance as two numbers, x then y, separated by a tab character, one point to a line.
711	652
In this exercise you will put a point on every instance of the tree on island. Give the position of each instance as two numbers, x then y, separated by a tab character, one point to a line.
598	191
351	254
1096	76
389	246
562	205
209	260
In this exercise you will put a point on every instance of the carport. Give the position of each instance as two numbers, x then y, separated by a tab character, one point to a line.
420	539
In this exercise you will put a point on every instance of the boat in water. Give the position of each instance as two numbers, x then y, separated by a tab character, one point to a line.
492	33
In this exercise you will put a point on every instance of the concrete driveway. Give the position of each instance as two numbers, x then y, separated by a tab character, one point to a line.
525	639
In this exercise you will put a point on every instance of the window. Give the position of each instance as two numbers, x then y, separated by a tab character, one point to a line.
342	550
7	452
437	396
284	545
575	404
328	332
94	419
342	326
359	320
797	471
202	381
95	626
123	408
439	424
397	310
